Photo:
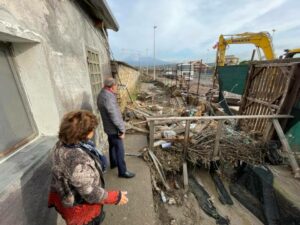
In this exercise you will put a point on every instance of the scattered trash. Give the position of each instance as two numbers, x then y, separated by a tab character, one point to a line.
158	143
163	197
169	133
172	201
166	145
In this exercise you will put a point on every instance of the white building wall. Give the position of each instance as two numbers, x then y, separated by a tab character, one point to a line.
53	69
48	41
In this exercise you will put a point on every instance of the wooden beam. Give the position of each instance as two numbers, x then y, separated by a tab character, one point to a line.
287	148
146	114
186	138
151	135
268	104
159	170
217	141
185	176
130	126
218	117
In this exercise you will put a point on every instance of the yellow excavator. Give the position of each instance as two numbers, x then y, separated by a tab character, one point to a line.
261	40
291	53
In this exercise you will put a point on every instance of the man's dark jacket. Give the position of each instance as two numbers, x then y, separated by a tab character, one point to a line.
110	112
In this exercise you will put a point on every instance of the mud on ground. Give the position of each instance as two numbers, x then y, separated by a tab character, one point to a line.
179	206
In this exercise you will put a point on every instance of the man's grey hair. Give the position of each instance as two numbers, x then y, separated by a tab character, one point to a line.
109	82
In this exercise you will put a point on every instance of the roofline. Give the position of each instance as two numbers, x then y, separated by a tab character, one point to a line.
124	64
100	10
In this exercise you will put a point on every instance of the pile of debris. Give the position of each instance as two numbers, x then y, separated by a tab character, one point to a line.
172	145
234	146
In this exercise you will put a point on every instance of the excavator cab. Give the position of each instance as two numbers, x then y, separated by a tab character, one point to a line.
291	53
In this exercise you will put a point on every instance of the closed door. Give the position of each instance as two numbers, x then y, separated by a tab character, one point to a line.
16	127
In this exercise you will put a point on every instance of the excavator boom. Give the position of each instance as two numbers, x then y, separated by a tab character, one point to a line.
261	40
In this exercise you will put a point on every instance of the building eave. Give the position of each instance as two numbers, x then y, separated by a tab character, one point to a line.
101	11
124	64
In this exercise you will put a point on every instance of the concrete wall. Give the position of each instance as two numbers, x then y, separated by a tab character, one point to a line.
49	39
129	78
53	69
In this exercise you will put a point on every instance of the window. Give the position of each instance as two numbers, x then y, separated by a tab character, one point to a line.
94	72
96	84
16	125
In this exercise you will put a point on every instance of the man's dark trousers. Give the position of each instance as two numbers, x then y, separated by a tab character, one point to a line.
116	153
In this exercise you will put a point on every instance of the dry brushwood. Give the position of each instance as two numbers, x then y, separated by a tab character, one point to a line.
233	146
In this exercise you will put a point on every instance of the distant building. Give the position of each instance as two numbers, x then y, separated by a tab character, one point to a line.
54	56
191	69
231	60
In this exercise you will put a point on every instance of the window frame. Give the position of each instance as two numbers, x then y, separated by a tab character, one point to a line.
92	80
8	50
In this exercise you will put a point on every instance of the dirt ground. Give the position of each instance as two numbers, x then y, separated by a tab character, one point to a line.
181	207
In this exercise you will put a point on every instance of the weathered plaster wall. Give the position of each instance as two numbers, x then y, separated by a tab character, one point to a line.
129	77
49	39
54	71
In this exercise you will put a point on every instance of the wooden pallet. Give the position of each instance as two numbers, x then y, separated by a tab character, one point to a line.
271	89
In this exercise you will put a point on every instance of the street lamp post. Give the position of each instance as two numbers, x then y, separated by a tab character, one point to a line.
154	27
147	61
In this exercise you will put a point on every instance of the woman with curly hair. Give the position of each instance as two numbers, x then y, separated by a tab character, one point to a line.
77	186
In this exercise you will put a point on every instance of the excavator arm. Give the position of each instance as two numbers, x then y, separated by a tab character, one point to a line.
261	40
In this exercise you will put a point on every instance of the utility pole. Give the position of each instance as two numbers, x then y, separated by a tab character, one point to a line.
154	27
147	61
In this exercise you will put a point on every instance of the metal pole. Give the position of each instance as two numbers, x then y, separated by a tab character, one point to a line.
147	63
287	148
188	84
154	27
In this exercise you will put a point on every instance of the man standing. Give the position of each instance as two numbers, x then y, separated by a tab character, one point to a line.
114	126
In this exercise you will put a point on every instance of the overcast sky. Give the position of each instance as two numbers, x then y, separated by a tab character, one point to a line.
187	29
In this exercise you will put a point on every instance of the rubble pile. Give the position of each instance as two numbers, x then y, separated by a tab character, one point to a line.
155	101
175	147
234	146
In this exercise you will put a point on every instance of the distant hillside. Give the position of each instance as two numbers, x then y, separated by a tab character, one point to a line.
144	61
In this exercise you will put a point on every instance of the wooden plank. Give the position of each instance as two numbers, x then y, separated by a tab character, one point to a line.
267	90
275	64
185	175
186	137
146	114
151	134
262	102
130	126
159	170
287	148
216	151
257	126
174	118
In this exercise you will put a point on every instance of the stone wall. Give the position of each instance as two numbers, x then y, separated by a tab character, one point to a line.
128	76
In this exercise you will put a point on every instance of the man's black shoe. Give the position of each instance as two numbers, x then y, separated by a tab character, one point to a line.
127	174
112	167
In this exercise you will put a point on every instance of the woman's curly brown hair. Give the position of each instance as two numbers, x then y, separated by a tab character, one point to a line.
76	125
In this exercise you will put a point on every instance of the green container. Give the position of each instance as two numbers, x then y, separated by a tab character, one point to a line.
293	129
233	78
